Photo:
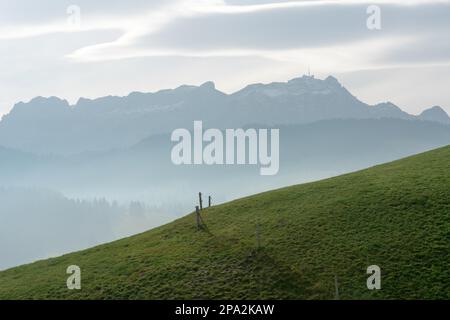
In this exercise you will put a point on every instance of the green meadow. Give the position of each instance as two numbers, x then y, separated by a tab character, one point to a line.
395	215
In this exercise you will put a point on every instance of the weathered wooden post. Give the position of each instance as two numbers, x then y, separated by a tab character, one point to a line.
336	285
200	200
197	212
209	201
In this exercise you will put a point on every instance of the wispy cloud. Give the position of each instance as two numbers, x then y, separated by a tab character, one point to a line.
215	28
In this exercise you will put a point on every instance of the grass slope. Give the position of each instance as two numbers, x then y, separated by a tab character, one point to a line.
394	215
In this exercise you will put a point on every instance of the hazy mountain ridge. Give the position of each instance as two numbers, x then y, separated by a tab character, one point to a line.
435	113
145	171
51	125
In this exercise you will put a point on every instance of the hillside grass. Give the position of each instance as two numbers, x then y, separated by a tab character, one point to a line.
395	215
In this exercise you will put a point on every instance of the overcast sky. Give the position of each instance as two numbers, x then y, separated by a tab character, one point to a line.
116	47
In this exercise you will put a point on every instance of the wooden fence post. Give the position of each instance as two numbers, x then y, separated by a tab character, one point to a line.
200	200
197	211
209	201
336	285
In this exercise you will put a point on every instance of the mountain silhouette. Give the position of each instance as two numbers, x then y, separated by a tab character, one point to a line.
52	126
435	113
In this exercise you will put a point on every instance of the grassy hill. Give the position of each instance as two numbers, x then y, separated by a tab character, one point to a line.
395	215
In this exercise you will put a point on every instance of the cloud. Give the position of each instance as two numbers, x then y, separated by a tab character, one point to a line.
22	18
276	29
421	50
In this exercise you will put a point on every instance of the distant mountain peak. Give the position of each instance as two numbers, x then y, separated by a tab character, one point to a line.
389	110
208	85
387	105
184	88
47	100
309	81
304	85
303	79
435	109
435	113
40	104
332	80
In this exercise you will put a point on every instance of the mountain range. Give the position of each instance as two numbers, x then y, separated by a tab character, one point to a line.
53	126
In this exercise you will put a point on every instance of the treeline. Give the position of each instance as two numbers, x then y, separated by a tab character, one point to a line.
37	223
